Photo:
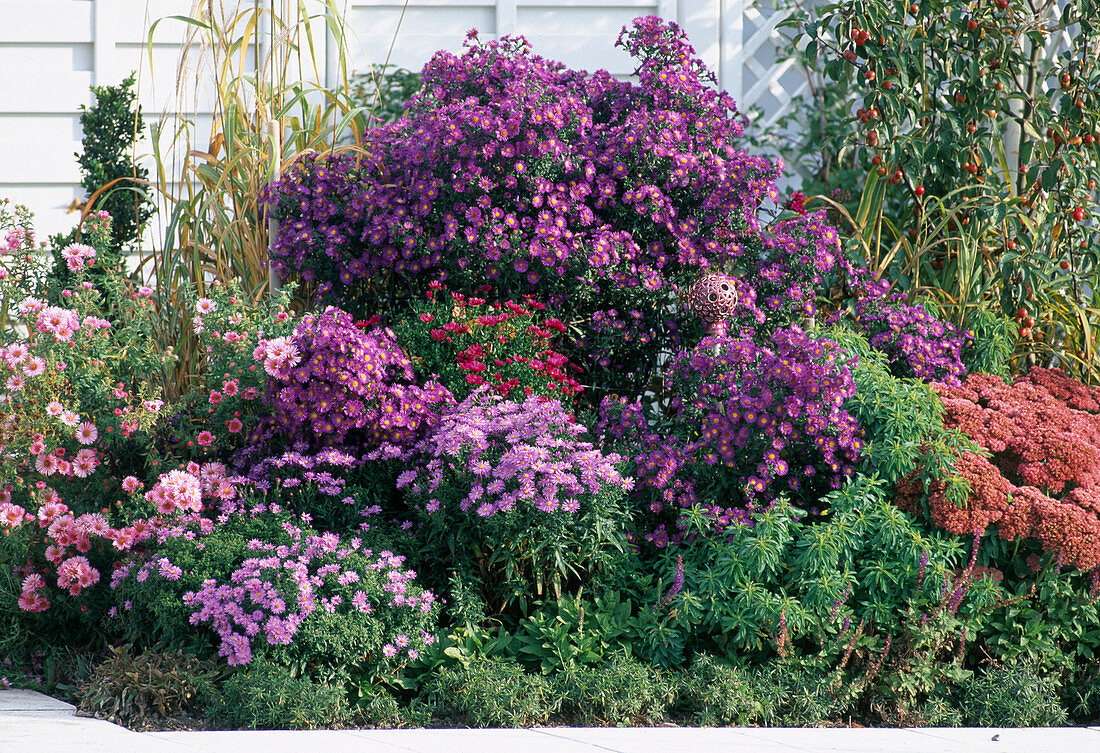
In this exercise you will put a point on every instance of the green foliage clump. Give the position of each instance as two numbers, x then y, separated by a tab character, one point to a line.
901	419
1014	695
488	693
939	711
377	707
569	633
137	690
994	342
1081	693
1051	618
718	694
621	691
781	693
785	580
267	696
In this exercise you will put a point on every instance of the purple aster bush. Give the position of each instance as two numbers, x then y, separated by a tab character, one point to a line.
748	424
510	496
603	198
916	343
799	254
772	415
268	586
333	382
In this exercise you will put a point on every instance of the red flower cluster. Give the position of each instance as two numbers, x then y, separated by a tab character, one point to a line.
471	342
1042	480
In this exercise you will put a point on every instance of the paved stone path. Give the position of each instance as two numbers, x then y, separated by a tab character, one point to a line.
34	723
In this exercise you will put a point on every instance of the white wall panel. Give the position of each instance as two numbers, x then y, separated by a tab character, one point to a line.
51	78
582	36
414	33
39	149
46	21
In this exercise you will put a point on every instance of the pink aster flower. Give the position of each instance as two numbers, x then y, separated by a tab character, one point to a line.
87	433
78	251
17	353
35	366
30	306
85	463
11	515
47	464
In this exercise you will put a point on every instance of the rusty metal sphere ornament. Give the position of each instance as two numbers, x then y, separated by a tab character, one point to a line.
713	298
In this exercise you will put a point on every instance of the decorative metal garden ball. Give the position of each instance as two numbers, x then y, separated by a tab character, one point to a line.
713	298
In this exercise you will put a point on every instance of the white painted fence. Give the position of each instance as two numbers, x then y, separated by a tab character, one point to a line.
51	51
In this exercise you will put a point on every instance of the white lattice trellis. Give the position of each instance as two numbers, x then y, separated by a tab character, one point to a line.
769	73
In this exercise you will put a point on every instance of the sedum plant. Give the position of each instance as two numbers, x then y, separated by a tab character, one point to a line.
1035	476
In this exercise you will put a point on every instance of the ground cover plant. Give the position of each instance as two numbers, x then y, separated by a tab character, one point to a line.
563	415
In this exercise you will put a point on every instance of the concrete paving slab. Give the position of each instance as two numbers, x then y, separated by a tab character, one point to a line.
384	741
475	741
31	722
1016	740
670	739
662	739
38	731
644	740
19	699
259	741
